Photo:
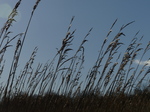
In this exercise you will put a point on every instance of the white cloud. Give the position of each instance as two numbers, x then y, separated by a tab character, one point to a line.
142	62
5	10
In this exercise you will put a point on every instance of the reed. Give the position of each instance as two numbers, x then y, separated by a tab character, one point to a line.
113	84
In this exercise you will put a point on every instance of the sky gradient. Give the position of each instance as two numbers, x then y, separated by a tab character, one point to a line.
51	19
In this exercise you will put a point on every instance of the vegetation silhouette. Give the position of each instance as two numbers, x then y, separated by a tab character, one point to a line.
115	86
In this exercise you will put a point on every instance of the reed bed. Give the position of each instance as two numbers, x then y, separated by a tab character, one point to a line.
113	84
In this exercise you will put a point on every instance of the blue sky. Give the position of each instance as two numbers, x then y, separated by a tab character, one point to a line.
51	19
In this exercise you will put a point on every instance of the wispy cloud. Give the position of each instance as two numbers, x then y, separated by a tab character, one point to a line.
142	62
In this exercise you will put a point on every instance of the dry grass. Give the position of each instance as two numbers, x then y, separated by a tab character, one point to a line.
112	85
